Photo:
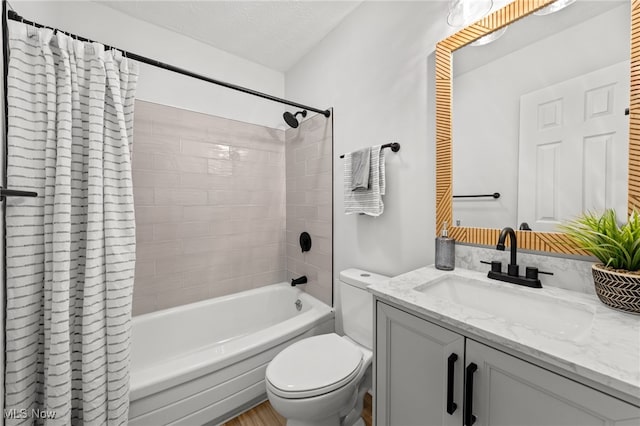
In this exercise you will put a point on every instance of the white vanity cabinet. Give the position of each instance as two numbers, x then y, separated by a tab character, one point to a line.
412	381
412	369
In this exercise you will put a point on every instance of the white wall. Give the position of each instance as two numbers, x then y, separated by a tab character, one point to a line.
486	109
377	70
373	70
108	26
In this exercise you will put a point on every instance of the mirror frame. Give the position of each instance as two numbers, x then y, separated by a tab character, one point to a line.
554	242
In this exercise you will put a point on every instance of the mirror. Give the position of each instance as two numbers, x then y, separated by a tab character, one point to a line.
558	90
511	118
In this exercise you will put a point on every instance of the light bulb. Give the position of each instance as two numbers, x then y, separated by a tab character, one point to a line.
466	12
553	7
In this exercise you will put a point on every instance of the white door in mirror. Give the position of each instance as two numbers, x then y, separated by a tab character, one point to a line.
574	148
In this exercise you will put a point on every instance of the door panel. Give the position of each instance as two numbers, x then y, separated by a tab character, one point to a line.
574	148
411	370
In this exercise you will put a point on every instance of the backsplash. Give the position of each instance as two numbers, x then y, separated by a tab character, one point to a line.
309	204
570	274
210	206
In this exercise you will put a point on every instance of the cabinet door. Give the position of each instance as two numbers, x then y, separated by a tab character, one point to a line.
508	391
412	358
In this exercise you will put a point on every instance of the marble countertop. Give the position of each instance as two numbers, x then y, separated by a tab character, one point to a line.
607	353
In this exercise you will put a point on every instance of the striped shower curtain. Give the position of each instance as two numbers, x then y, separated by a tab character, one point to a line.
71	251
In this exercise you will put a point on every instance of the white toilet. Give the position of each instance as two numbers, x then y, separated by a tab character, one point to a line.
321	380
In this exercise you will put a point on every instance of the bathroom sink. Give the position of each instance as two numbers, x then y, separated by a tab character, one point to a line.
535	311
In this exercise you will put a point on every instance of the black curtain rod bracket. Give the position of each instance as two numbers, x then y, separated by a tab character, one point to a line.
495	195
12	15
395	147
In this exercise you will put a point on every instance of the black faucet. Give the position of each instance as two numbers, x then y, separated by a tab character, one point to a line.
513	276
512	269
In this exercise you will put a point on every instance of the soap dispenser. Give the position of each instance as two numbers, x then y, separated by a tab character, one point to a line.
445	251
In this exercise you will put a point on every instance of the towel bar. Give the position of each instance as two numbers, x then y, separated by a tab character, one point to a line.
14	193
395	147
494	195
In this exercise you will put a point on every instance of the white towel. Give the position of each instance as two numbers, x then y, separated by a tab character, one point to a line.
360	168
367	201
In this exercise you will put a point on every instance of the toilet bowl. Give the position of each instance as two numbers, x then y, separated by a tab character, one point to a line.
316	381
321	380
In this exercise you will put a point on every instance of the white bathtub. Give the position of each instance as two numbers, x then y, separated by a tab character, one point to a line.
205	362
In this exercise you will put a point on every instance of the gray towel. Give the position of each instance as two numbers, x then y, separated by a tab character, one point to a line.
360	164
366	201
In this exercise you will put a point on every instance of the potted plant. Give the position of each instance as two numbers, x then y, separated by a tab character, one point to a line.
617	278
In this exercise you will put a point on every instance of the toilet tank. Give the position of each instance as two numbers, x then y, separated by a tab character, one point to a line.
356	304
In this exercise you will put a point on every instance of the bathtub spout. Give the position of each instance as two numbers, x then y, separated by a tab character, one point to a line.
301	280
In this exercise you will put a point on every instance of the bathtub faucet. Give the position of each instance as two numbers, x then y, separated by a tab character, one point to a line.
301	280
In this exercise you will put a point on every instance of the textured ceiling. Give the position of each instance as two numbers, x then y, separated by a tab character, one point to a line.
272	33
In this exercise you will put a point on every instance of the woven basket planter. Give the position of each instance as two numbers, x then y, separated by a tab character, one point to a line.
618	290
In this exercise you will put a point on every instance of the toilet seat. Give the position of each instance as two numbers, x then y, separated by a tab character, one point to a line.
314	366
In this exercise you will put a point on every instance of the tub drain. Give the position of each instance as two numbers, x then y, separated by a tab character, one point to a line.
298	304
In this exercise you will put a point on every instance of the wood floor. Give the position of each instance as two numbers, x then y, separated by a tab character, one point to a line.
367	415
262	415
265	415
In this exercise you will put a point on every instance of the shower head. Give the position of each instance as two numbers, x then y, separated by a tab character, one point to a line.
291	118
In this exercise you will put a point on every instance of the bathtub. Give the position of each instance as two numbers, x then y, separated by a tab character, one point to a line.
205	362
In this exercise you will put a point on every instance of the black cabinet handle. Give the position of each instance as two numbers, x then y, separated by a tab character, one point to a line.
451	406
469	418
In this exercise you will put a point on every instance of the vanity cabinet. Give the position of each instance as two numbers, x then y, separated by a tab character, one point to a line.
417	383
412	371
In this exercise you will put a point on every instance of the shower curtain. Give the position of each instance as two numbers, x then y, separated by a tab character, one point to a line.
70	252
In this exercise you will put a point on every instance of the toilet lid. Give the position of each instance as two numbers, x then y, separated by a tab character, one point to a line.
314	366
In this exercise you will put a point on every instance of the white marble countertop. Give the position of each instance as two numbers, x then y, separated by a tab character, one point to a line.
608	353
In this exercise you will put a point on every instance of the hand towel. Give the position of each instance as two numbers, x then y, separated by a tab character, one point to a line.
366	201
360	165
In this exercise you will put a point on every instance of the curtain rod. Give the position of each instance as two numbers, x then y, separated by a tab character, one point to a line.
12	15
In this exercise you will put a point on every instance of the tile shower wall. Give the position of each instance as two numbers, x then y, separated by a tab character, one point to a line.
210	206
309	204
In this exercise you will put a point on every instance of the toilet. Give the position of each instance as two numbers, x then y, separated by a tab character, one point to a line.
321	380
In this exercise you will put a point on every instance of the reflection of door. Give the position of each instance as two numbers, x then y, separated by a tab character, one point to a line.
574	148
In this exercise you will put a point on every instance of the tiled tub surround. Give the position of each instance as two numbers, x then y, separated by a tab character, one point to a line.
570	274
210	206
607	356
309	204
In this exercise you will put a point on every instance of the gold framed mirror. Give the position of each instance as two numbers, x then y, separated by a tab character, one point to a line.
555	242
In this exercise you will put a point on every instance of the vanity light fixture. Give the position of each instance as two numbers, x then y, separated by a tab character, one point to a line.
490	37
554	7
466	12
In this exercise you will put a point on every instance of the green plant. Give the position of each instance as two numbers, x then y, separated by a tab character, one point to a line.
616	246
